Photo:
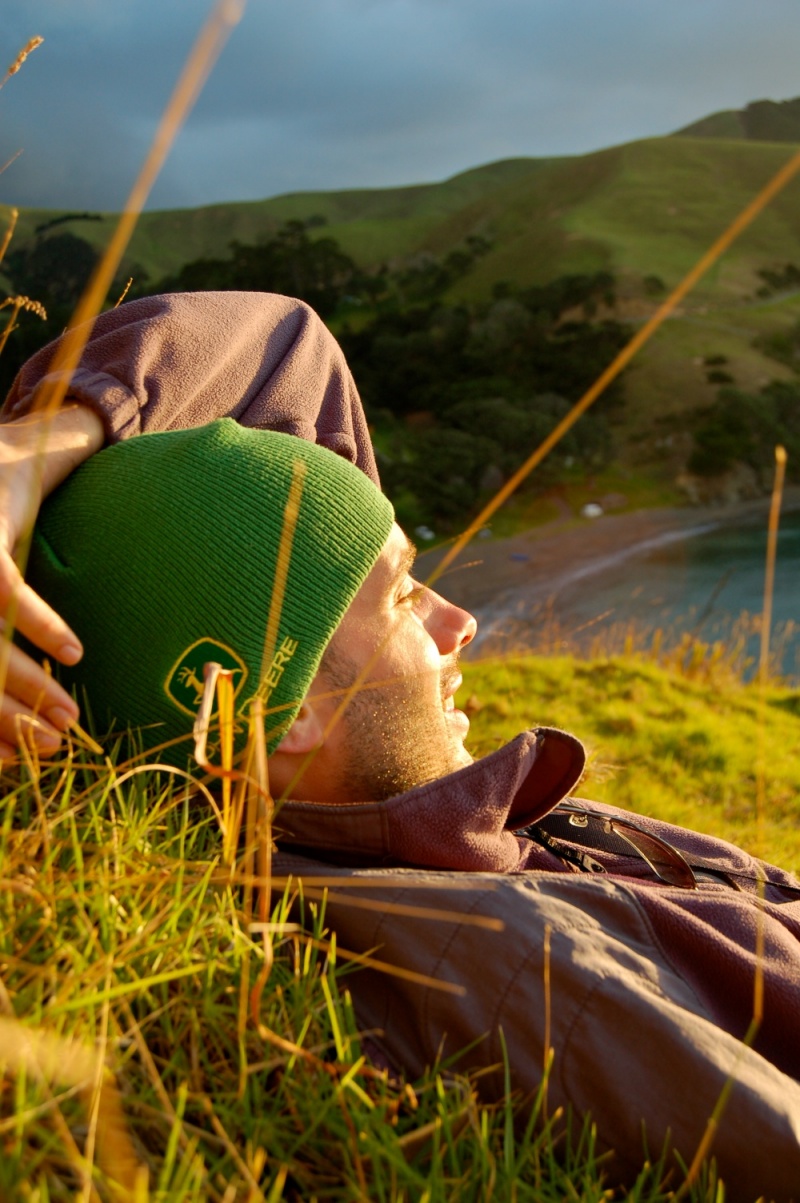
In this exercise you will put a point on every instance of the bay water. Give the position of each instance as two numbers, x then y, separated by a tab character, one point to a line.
709	584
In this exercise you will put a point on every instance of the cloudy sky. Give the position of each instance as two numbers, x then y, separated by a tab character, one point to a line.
364	93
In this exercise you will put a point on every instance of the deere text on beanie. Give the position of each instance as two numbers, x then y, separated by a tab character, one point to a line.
163	553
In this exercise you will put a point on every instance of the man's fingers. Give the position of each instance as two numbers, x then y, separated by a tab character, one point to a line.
32	616
34	691
34	708
18	724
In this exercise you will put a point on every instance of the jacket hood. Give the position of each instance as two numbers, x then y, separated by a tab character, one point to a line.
187	358
463	821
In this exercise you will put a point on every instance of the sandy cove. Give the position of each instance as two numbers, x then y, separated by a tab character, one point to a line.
498	579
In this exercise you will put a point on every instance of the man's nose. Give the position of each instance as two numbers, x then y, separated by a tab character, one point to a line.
451	627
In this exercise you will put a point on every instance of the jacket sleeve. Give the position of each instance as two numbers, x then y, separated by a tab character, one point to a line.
184	359
633	1046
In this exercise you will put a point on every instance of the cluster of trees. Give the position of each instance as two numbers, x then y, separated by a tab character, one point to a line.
743	427
783	345
457	395
316	269
52	269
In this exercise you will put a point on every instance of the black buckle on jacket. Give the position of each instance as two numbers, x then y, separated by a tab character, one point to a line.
608	833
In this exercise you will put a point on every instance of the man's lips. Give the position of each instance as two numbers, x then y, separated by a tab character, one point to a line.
450	686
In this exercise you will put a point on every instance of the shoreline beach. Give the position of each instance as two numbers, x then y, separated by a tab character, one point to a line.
500	579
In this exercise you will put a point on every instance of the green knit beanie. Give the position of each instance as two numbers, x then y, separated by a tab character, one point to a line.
162	553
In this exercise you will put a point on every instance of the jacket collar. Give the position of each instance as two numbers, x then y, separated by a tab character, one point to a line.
463	821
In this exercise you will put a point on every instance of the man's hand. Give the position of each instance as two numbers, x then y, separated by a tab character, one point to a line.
36	454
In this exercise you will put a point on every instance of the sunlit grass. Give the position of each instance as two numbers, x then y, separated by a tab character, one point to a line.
678	742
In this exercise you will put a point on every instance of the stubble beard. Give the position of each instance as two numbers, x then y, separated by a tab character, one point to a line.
394	739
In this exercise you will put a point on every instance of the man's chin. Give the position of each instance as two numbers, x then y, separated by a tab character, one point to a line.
457	724
395	741
461	761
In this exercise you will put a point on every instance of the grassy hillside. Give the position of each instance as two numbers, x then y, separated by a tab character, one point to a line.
646	208
671	377
762	120
371	223
680	746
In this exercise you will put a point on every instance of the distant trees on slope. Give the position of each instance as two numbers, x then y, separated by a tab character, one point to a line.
460	394
743	427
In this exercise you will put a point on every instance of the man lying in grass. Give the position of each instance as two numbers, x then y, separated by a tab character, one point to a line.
630	947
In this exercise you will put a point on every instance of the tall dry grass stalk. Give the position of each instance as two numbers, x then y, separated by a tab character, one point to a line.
16	305
769	574
766	630
549	1051
224	16
9	234
27	49
261	837
284	558
10	160
124	292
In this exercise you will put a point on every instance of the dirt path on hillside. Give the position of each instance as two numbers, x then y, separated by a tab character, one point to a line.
500	580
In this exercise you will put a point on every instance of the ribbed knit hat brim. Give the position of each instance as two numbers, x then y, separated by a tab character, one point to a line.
163	553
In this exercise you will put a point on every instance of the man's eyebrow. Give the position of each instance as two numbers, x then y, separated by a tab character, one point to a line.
409	556
404	564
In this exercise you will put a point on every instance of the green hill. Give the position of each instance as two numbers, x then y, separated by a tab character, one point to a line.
645	208
762	121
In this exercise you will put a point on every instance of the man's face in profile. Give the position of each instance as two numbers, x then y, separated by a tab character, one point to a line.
398	644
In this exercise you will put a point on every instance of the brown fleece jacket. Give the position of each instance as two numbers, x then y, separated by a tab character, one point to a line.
650	985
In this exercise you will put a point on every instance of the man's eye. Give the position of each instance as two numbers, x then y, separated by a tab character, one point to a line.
413	595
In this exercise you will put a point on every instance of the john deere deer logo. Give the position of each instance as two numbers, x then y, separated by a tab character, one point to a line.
184	683
188	677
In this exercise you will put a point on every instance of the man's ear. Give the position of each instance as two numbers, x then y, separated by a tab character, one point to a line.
306	734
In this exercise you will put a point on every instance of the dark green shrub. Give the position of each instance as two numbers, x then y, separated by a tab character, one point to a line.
746	427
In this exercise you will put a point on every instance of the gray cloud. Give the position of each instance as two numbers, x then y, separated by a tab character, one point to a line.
344	93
